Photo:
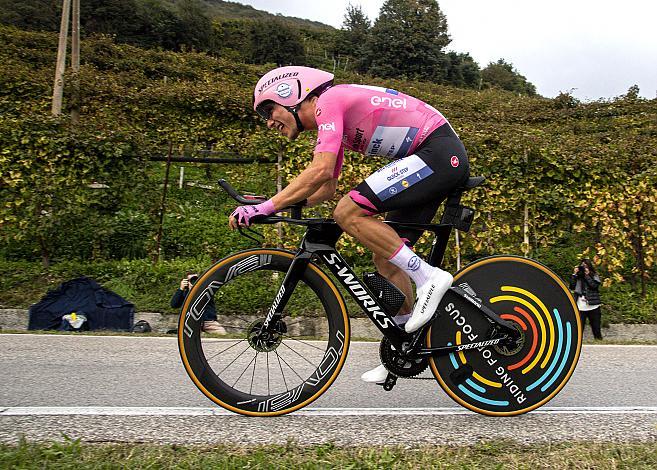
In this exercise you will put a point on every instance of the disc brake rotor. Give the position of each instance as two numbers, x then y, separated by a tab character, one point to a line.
511	346
265	340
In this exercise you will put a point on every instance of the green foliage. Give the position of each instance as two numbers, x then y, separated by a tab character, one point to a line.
274	42
47	168
485	455
462	71
33	15
148	286
502	75
583	172
407	40
353	37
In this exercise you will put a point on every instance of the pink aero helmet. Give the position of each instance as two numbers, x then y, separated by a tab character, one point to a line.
289	86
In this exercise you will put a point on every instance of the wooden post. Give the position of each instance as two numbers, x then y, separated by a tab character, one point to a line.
279	188
75	61
58	89
158	240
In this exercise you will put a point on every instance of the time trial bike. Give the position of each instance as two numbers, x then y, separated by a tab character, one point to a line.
504	340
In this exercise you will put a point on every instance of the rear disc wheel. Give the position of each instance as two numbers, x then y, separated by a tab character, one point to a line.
513	377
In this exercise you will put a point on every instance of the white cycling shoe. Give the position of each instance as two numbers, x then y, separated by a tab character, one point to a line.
428	298
377	375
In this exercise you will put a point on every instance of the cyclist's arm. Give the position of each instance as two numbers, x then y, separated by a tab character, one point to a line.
317	174
324	193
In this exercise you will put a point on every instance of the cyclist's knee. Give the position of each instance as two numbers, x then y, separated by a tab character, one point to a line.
345	212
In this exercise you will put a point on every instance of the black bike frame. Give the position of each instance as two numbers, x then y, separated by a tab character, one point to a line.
319	243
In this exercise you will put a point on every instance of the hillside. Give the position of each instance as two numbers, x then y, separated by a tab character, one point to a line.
222	9
563	178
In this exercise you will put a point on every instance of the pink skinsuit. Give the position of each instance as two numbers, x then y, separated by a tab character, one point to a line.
373	121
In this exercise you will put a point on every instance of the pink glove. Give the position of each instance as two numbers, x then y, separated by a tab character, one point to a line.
245	214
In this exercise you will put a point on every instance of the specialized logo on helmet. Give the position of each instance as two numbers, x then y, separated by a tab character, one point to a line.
275	79
284	90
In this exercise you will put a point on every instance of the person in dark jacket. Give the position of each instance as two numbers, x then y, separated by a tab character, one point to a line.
210	323
585	283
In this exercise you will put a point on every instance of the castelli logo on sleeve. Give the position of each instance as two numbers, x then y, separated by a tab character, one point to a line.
454	161
283	90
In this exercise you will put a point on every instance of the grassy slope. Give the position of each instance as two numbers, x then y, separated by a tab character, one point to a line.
72	454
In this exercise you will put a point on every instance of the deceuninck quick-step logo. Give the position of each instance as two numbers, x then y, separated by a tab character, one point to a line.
396	177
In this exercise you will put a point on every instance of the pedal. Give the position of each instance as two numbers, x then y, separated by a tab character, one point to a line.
390	382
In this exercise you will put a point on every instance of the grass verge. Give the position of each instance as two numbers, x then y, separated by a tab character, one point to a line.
498	455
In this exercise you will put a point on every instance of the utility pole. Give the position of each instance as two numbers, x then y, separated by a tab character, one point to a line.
75	61
58	89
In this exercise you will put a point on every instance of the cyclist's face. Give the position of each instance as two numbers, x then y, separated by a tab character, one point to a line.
283	121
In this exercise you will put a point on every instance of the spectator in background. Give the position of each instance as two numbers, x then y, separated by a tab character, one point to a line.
585	283
210	323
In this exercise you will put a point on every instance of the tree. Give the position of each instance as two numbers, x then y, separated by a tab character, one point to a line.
34	14
156	25
275	41
501	74
407	39
194	27
233	38
462	71
352	38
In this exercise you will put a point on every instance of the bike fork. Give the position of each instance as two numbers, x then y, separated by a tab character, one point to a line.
294	273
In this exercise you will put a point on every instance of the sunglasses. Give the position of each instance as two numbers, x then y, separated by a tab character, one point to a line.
265	110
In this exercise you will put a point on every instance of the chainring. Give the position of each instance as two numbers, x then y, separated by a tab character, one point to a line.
398	365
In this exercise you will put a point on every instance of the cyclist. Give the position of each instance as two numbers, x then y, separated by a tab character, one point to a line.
428	161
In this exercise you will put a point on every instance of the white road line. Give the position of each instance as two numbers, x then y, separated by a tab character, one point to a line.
171	411
373	343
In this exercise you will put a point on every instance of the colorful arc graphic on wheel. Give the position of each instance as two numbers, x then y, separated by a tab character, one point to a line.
511	377
546	342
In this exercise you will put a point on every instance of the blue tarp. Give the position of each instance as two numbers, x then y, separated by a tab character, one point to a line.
104	309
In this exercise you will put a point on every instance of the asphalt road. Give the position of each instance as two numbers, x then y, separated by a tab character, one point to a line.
134	389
